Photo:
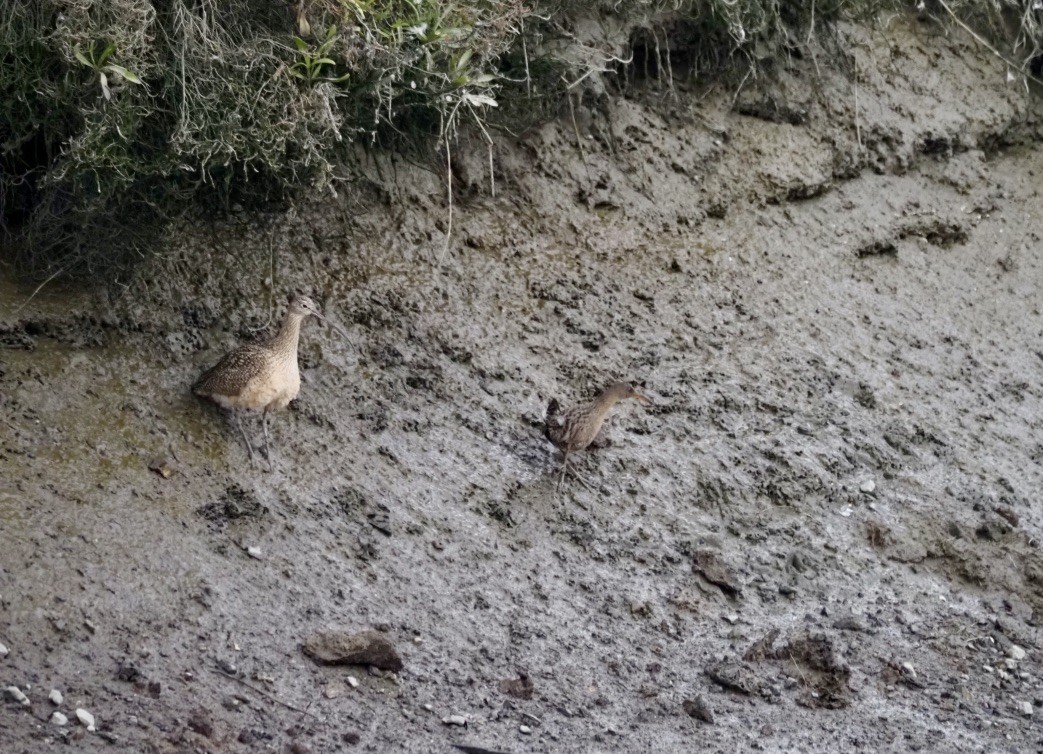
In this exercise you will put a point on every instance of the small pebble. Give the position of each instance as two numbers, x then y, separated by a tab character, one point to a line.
455	720
524	729
254	552
868	487
1016	653
429	707
85	718
4	651
56	697
15	694
353	681
57	718
1025	708
908	667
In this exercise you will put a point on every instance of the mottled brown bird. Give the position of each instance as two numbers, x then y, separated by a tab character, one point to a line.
580	427
260	376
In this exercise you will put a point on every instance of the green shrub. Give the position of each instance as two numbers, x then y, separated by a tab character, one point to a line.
116	114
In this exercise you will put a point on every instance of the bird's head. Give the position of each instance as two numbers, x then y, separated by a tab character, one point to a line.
620	391
302	306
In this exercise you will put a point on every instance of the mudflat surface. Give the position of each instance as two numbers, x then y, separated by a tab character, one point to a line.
825	532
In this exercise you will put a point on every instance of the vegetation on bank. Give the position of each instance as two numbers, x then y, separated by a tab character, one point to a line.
116	113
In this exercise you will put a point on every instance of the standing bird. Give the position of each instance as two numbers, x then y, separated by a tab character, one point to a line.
580	427
260	376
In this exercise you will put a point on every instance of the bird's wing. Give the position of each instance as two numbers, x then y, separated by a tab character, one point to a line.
231	374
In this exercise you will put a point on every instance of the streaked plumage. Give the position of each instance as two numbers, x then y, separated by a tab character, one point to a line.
580	426
259	376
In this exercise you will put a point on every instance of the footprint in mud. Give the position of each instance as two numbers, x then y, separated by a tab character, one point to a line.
235	503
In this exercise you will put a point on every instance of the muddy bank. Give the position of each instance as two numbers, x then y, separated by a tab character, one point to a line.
826	529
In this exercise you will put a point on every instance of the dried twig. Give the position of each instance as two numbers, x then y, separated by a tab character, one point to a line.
265	694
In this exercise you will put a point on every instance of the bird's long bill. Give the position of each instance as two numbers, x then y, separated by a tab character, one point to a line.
642	397
336	327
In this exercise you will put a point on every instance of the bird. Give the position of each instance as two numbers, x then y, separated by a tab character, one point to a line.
581	427
260	376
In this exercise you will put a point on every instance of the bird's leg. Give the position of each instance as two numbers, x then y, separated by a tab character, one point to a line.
267	449
249	447
564	468
581	480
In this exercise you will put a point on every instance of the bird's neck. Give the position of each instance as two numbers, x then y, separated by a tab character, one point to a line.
604	402
285	341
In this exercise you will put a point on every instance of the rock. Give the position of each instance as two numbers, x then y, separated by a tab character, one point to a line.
520	687
199	721
334	690
353	681
128	673
15	695
1025	708
162	466
365	648
699	709
57	718
56	697
4	651
455	720
254	552
1016	653
86	718
735	676
525	729
868	487
708	564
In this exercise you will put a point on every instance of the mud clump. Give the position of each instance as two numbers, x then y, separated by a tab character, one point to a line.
365	648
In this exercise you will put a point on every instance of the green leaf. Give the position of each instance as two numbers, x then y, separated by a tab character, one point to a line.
123	72
82	58
300	44
324	61
106	53
463	60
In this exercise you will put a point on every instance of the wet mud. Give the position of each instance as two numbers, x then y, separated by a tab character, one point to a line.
823	535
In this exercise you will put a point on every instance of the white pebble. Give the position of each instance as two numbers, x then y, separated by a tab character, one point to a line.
353	681
524	729
1025	708
455	720
15	693
56	697
57	718
85	718
429	707
908	667
4	651
1016	653
254	552
868	487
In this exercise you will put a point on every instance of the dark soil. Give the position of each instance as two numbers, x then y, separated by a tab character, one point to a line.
824	535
